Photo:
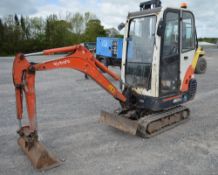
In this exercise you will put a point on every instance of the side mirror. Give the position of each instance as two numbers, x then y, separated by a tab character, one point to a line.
121	26
161	28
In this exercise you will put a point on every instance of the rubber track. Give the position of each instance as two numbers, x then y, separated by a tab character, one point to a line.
145	121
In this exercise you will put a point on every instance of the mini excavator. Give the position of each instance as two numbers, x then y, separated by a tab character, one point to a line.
160	54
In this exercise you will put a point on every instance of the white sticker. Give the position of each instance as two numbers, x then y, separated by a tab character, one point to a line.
61	63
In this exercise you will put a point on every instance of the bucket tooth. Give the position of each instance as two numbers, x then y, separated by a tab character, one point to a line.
118	122
40	158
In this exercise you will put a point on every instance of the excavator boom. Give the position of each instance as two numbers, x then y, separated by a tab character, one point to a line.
79	58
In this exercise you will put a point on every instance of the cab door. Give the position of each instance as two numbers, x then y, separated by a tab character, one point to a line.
188	44
170	54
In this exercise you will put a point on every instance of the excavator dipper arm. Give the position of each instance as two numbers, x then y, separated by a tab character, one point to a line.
79	58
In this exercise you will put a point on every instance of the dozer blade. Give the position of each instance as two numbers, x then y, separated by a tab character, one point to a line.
41	159
121	123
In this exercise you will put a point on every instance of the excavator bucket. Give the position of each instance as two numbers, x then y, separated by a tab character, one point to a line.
118	122
41	159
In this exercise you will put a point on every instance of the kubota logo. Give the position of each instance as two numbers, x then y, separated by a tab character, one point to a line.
61	63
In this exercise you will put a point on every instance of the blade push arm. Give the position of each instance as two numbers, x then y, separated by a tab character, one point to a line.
79	59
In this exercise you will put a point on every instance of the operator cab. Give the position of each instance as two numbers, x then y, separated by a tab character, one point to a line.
159	47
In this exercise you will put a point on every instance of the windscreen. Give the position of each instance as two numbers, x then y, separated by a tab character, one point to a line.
140	51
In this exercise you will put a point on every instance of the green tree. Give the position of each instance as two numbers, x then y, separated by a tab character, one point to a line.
1	35
87	17
77	23
57	32
25	26
94	29
16	19
30	34
37	26
209	40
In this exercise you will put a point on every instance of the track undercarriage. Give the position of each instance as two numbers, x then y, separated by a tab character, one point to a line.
146	124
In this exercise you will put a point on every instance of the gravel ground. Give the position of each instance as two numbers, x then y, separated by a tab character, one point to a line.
68	108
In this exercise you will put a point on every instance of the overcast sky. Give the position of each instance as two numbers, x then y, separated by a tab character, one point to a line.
112	12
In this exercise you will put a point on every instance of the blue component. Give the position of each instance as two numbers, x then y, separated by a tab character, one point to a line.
109	47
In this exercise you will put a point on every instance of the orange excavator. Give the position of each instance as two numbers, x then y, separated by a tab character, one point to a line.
160	56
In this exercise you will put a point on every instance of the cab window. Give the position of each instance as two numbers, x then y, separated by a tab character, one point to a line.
188	32
171	35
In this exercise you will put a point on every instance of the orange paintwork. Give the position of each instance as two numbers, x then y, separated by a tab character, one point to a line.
61	50
188	77
20	64
184	5
171	98
80	59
